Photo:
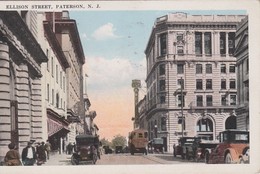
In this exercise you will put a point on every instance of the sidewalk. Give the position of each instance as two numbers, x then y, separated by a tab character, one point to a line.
58	160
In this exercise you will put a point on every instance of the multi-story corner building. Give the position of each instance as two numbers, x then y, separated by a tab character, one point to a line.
66	33
241	52
20	80
191	76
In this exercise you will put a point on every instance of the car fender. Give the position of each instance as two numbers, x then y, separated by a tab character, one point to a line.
233	153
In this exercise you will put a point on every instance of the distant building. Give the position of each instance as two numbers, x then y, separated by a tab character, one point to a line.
20	79
241	52
190	65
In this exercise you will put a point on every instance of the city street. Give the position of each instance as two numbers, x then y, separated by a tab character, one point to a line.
121	159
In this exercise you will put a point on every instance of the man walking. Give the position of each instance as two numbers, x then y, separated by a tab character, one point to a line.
29	155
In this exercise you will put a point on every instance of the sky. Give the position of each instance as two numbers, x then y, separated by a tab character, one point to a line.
114	44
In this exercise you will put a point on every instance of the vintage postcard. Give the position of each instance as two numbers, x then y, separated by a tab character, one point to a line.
129	86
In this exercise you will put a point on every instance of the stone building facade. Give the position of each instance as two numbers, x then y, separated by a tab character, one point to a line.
20	72
241	54
66	33
191	76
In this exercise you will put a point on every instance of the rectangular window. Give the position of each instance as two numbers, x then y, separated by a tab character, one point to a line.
60	79
233	100
198	43
48	92
52	67
231	43
180	83
207	42
163	124
52	95
199	100
209	100
180	68
162	99
223	100
162	69
222	43
162	85
180	119
199	84
47	55
223	68
57	74
232	84
64	84
208	68
163	44
208	84
198	68
232	68
180	50
223	84
179	101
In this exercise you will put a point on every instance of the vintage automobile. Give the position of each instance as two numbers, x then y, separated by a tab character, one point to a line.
157	145
107	150
232	145
138	141
86	149
119	149
203	150
185	147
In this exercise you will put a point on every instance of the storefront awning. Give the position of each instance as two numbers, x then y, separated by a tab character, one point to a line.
56	124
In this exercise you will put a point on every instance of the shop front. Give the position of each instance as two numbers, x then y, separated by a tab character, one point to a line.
57	131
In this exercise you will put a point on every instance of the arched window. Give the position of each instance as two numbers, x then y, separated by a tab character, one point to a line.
205	129
231	122
205	125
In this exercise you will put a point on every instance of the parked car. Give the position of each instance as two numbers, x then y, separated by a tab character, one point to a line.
107	150
233	145
119	149
203	150
86	149
185	147
156	145
244	158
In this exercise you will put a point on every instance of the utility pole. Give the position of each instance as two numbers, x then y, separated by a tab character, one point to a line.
182	118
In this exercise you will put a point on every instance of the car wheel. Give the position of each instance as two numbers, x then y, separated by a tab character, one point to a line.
228	159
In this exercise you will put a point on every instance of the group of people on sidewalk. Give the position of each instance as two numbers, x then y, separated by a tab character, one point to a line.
30	155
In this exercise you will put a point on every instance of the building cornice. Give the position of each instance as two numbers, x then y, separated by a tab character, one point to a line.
11	26
50	35
61	24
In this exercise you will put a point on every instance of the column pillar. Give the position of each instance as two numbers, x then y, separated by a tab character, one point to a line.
227	54
5	120
203	44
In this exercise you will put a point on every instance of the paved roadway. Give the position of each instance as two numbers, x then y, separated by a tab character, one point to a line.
121	159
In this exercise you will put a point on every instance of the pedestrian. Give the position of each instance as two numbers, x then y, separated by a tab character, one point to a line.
48	148
41	155
12	157
29	155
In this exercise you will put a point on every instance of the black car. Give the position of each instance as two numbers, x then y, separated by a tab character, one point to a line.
119	149
107	149
86	149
